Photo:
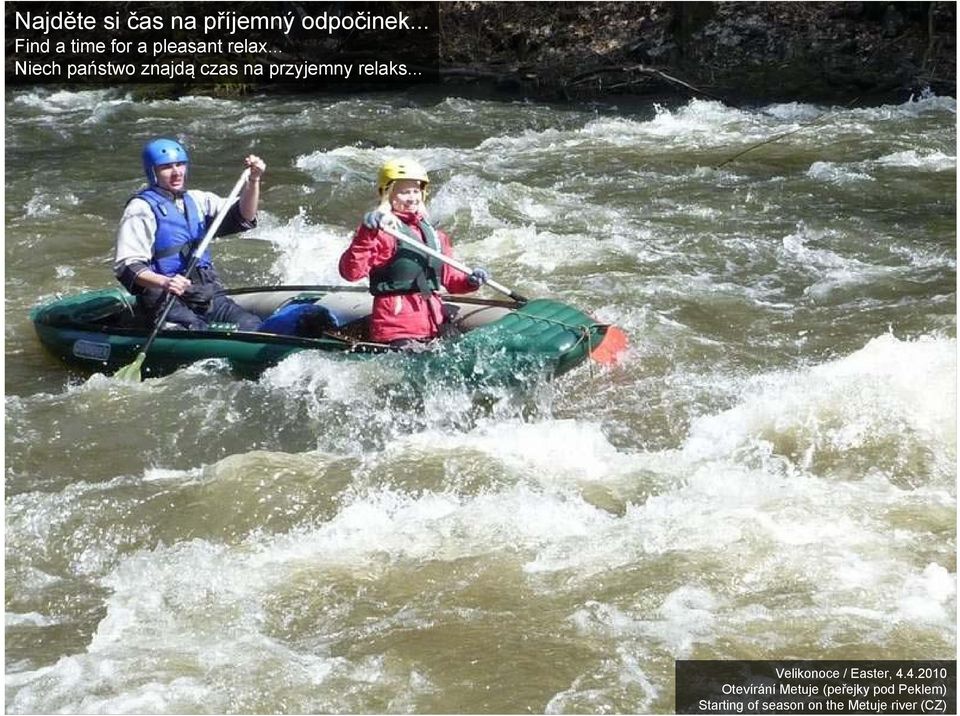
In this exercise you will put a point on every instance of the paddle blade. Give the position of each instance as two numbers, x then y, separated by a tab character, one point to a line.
131	372
613	344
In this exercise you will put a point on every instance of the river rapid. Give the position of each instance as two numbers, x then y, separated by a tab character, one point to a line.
769	473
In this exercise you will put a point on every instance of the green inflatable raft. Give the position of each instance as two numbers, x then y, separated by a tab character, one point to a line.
499	341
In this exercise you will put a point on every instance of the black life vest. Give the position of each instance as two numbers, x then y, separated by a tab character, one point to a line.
409	270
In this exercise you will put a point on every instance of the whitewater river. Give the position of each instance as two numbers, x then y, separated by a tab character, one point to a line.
769	473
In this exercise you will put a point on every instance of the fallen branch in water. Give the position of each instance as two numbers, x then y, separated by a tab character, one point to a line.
641	69
805	125
475	73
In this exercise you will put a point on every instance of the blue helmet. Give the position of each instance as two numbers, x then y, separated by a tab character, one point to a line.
161	151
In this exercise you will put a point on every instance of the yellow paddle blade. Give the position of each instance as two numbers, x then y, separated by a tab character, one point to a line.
131	372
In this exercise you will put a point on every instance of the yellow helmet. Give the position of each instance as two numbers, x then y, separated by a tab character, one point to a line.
404	168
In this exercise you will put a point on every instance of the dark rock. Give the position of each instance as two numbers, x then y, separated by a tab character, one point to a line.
735	51
892	22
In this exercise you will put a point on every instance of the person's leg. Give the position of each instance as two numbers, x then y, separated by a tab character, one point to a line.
225	310
152	303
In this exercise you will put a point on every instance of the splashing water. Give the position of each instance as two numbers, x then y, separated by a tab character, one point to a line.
769	473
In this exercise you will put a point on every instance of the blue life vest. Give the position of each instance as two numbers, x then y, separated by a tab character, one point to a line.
177	233
300	318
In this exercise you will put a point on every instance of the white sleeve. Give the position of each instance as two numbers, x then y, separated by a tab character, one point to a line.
208	202
138	227
211	204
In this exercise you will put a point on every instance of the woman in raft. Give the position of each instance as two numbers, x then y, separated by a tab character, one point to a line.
407	310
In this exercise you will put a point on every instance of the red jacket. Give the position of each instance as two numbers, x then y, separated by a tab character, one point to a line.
407	315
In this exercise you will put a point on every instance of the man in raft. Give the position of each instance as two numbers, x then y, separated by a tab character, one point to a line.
161	227
407	310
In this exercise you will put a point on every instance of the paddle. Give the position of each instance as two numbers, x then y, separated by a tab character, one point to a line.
131	372
423	248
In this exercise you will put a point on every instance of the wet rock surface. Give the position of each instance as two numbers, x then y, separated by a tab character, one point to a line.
737	52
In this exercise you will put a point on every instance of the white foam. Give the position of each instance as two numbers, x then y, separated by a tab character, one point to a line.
42	204
834	173
161	474
763	516
555	452
470	194
307	253
350	164
685	617
862	171
341	164
173	628
65	101
794	111
316	378
929	596
833	271
873	394
927	160
34	619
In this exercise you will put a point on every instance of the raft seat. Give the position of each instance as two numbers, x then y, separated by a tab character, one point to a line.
265	303
470	316
349	308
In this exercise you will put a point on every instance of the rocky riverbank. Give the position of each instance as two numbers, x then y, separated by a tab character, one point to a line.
734	51
737	52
